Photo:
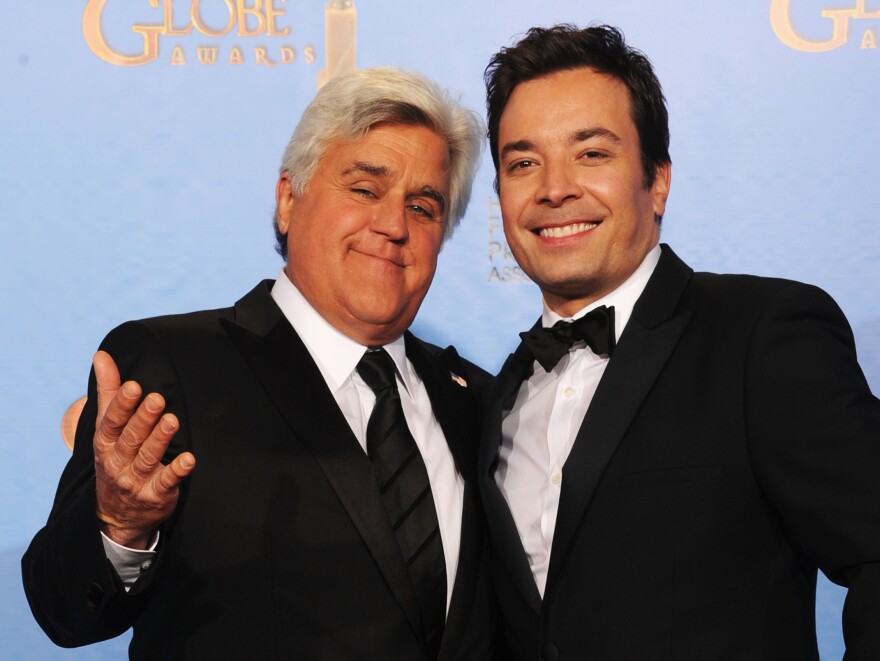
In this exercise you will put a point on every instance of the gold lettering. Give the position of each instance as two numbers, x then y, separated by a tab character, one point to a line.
178	57
168	11
196	18
309	53
244	12
207	54
271	14
261	58
99	46
780	19
254	17
861	12
869	39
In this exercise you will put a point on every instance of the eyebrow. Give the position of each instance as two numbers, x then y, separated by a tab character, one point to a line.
427	191
598	132
580	135
368	168
519	145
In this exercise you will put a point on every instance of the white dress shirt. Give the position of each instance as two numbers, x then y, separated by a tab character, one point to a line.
337	356
538	432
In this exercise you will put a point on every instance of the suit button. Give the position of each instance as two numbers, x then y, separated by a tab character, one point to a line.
550	652
94	596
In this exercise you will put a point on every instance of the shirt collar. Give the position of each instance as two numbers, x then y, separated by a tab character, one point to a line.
623	298
335	354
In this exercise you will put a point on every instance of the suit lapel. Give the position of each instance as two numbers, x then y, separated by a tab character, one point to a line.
644	347
506	545
284	367
467	576
449	400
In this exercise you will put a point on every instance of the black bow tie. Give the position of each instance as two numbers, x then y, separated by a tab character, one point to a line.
548	345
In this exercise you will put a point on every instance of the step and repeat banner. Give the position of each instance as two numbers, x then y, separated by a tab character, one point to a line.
141	141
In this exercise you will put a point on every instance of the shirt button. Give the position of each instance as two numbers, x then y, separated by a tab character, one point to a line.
145	565
569	391
556	479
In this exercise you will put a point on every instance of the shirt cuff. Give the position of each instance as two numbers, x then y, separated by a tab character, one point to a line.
129	563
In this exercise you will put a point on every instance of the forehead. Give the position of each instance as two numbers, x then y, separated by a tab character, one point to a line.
563	98
391	150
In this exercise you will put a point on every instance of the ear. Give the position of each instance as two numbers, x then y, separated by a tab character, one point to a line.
285	200
660	188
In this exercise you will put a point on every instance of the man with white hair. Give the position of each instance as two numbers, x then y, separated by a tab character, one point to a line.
332	512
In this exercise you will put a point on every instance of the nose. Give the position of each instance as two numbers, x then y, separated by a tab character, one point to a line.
557	185
390	221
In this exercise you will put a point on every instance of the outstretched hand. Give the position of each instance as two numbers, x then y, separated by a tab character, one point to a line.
135	491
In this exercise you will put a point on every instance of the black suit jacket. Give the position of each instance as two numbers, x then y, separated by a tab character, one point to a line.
731	448
280	547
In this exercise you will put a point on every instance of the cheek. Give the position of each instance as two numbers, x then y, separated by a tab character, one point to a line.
429	259
314	255
425	249
605	189
511	201
517	238
511	216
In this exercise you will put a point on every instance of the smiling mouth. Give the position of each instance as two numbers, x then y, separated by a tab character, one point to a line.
565	230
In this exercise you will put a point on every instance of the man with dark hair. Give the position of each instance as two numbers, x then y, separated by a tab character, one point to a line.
332	513
668	456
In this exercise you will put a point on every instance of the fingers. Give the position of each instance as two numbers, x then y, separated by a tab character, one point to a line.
144	456
139	427
107	378
116	417
170	477
130	438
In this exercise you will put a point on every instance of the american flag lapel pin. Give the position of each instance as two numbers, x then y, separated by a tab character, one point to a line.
459	380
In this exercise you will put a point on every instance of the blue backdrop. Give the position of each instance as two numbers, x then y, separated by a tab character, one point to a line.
141	141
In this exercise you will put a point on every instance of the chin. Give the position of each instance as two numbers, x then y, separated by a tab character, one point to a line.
381	316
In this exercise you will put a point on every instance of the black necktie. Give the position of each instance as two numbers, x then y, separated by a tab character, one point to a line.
406	491
548	345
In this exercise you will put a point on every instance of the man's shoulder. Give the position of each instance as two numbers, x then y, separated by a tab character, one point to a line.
726	288
196	326
742	296
746	287
739	283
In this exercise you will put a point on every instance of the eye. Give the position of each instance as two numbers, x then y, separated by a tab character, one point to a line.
522	164
423	212
594	154
363	192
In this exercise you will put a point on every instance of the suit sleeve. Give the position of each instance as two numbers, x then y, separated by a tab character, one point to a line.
814	432
73	590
